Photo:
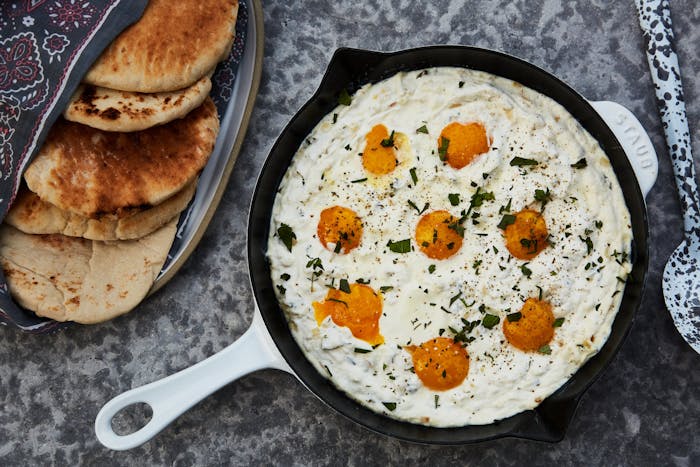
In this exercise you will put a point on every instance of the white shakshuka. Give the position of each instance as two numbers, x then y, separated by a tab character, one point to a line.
449	246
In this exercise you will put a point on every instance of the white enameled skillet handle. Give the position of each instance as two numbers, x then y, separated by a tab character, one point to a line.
634	140
172	396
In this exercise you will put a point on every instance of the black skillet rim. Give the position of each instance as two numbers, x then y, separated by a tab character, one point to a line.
351	68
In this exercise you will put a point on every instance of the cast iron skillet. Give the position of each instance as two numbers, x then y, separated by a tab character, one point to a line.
350	69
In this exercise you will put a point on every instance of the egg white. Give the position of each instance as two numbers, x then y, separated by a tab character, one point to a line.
582	286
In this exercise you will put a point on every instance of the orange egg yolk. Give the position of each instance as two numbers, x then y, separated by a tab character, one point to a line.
440	363
358	310
534	328
459	143
340	226
527	236
377	158
438	234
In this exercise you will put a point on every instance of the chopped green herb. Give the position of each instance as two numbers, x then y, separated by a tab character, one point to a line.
545	349
335	118
543	197
344	286
505	208
457	228
402	246
454	198
598	225
620	257
476	265
521	162
315	263
437	399
337	301
531	245
359	180
513	317
362	281
525	270
442	150
391	406
478	198
431	268
558	322
588	242
348	148
344	98
461	336
388	142
423	129
580	164
490	321
385	288
455	298
506	220
285	277
281	289
461	83
287	235
414	177
539	296
359	350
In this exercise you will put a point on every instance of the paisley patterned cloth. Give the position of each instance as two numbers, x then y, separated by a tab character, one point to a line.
46	46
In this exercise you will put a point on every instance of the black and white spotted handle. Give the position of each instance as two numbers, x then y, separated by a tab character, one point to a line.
681	277
655	20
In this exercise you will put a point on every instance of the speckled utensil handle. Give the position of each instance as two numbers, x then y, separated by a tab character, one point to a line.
655	20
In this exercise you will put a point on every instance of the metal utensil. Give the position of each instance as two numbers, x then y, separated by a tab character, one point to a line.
681	278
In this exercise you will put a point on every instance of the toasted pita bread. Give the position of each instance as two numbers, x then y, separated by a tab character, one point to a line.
73	279
31	215
92	172
170	47
110	110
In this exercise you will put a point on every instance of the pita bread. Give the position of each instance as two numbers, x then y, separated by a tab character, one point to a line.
170	47
73	279
110	110
31	215
92	172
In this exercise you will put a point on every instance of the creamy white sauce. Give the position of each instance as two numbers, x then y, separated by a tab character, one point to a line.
582	288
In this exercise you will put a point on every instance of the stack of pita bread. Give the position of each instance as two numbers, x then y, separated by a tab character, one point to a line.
97	213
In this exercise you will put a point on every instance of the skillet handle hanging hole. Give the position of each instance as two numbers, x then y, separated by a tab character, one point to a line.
131	418
634	141
170	397
113	415
120	416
